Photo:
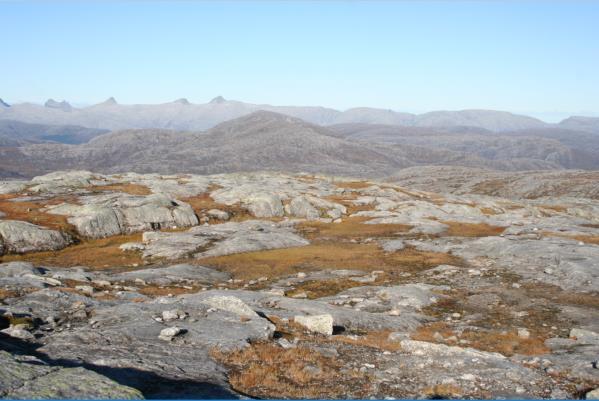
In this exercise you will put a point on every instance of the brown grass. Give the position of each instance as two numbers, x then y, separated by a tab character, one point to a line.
374	339
442	392
128	188
203	202
5	293
157	291
488	211
587	239
346	200
95	253
457	229
555	208
31	211
265	370
326	256
350	228
504	342
323	288
354	184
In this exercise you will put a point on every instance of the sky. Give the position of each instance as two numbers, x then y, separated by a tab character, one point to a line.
534	57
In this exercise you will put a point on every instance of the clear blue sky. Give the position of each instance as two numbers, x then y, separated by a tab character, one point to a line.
528	56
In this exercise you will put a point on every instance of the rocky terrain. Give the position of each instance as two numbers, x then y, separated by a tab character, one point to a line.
272	285
266	140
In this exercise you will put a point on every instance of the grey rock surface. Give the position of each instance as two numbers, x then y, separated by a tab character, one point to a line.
20	237
25	377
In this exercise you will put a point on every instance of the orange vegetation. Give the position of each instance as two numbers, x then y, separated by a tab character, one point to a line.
266	370
31	211
350	228
323	256
458	229
95	253
506	342
128	188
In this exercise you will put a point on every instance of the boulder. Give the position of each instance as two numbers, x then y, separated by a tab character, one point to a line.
218	214
322	324
264	205
20	237
230	304
221	239
26	377
301	207
113	214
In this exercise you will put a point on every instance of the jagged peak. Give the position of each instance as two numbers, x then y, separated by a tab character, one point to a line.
218	100
53	104
109	102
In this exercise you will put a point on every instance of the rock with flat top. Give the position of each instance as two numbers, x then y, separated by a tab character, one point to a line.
322	324
21	237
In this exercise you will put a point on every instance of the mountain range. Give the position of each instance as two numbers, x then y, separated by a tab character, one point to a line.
183	115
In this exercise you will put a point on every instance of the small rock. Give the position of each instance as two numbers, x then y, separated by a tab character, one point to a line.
322	324
85	289
301	275
174	314
523	333
218	214
592	395
230	304
18	332
468	376
169	333
102	283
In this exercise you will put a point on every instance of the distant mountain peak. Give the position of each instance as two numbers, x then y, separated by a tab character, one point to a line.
218	100
109	102
3	103
181	101
53	104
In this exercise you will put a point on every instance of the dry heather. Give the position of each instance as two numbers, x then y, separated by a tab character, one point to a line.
506	342
266	370
458	229
32	212
204	202
327	256
353	184
351	228
94	253
587	239
128	188
375	339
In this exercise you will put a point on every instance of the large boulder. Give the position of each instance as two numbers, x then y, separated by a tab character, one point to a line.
301	207
20	237
220	239
113	214
27	377
264	205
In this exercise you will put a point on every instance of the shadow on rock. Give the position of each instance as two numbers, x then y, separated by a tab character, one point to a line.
151	385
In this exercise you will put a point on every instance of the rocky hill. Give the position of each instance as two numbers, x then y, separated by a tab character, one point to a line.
268	285
23	133
566	148
272	141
